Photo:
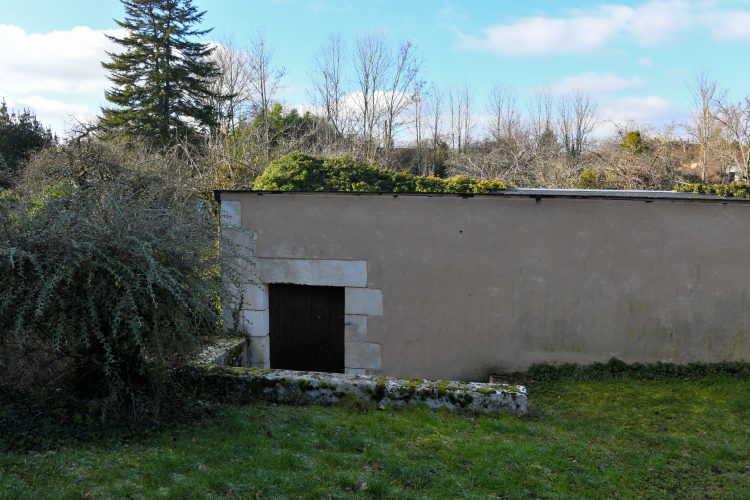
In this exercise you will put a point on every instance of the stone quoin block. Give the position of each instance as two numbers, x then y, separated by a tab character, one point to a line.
256	322
363	355
355	329
363	301
240	240
228	320
311	272
231	214
260	352
255	297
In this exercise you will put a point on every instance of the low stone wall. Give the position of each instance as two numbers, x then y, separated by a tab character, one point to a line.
226	352
224	367
292	386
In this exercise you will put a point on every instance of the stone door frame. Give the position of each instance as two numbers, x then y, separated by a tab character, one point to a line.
360	302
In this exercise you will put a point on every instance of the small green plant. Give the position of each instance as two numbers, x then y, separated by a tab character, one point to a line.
300	172
738	190
616	369
591	179
634	143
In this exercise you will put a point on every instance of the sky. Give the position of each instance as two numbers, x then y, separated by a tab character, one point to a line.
634	58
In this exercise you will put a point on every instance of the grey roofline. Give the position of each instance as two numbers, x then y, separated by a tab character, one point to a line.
594	194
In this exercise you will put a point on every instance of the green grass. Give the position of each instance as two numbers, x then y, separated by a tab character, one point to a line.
601	439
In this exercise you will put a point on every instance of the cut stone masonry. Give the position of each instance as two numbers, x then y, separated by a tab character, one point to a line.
361	357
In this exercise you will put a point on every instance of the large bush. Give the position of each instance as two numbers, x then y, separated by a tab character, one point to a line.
109	261
300	172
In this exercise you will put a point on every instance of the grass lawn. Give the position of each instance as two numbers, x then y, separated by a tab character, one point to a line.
613	439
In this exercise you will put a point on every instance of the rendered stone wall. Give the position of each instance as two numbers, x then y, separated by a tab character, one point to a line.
360	302
451	287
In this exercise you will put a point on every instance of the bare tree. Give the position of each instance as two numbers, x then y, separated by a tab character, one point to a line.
418	101
463	121
702	122
576	119
435	100
232	89
266	83
455	113
371	64
540	110
327	77
735	118
469	121
502	107
402	80
510	139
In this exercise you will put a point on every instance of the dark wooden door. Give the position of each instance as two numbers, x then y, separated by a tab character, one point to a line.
307	327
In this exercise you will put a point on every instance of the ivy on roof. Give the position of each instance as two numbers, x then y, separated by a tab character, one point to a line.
738	190
300	172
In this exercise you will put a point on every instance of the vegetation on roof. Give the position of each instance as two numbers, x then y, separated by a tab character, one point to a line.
301	172
738	190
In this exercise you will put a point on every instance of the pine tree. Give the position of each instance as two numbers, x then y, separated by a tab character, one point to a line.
162	77
20	135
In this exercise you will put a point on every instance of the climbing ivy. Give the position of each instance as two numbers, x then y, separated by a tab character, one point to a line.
300	172
737	190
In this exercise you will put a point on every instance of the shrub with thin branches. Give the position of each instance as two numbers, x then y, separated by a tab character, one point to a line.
109	263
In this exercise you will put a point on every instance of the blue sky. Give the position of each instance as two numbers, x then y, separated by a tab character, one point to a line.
634	58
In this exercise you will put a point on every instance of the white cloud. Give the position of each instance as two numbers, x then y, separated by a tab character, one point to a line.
650	109
61	62
583	31
58	75
597	83
729	26
541	36
52	113
645	62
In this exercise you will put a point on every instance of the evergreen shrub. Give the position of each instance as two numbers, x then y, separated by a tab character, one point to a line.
112	265
300	172
738	190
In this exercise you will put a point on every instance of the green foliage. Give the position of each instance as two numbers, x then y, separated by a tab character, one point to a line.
300	172
161	79
591	179
282	126
738	190
628	439
20	135
617	369
634	143
441	155
112	266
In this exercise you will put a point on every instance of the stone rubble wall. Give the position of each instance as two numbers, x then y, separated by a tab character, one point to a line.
225	365
226	352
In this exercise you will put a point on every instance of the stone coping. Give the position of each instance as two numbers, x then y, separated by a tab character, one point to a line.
327	388
611	194
225	352
224	366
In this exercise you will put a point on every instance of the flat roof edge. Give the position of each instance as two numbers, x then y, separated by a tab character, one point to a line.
599	194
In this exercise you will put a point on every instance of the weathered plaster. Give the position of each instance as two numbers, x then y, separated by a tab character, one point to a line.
231	214
482	284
